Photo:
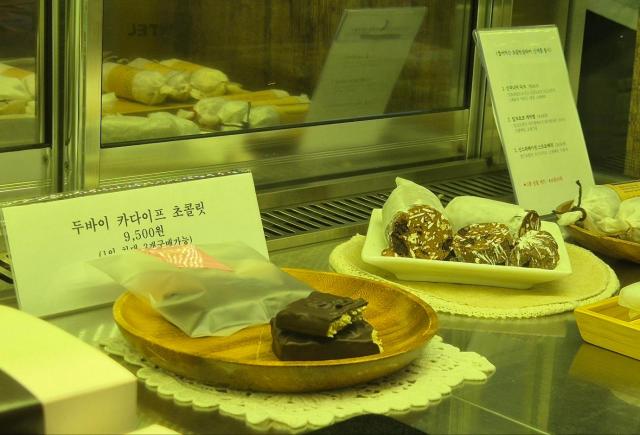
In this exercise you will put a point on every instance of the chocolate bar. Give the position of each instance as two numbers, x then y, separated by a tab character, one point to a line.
357	339
320	314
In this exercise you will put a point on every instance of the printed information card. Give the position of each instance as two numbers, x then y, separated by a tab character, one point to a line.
52	243
535	114
368	53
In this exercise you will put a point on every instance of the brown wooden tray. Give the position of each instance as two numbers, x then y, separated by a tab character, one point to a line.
609	246
245	360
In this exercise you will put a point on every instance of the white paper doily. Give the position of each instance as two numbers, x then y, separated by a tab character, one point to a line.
427	380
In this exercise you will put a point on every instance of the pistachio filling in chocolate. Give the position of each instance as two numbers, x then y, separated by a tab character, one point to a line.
345	320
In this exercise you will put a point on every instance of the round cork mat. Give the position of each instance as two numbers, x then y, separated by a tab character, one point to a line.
592	280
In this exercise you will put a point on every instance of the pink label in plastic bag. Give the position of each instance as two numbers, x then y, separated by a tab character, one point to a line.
186	256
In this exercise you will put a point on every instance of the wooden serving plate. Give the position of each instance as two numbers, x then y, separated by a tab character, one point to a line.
609	246
606	324
245	361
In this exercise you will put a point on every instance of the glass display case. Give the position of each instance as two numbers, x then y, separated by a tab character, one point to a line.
28	150
229	67
19	69
319	100
295	92
300	94
326	102
607	34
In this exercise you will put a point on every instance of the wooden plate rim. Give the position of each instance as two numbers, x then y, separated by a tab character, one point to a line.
426	335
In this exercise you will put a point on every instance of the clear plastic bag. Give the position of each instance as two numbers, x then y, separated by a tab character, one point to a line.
208	290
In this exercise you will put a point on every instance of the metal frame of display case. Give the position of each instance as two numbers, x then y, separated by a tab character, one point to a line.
278	158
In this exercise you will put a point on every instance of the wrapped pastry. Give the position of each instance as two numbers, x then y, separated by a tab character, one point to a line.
241	114
466	210
535	248
13	89
596	208
630	299
186	114
207	111
146	87
235	89
628	217
625	224
483	243
17	91
217	112
28	78
177	81
30	109
13	96
205	82
13	107
263	116
230	128
30	83
120	128
182	126
267	94
234	113
109	101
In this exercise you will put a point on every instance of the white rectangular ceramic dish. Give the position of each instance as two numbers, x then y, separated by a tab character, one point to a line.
410	269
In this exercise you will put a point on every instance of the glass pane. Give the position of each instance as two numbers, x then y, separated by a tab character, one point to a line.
193	67
19	121
606	77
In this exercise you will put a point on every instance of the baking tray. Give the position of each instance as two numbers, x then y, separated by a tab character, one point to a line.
245	360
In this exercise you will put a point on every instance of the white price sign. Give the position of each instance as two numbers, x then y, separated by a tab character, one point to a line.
52	243
535	114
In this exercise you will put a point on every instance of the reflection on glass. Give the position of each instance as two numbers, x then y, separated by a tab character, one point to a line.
18	90
175	68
